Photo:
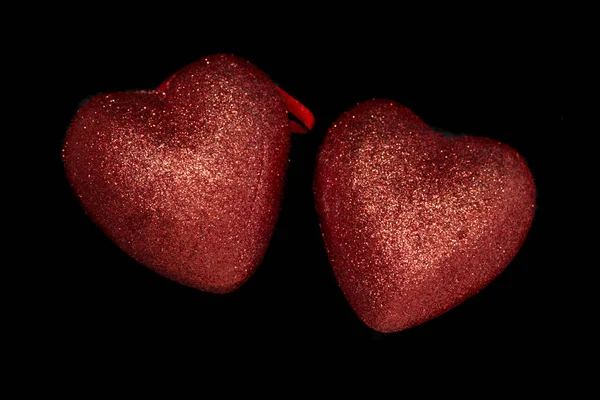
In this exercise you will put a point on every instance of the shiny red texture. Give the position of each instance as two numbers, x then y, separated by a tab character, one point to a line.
186	179
414	223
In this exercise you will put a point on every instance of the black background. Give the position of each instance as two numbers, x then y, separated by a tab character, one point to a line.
494	86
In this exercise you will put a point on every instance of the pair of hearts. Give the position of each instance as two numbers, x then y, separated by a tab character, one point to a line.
188	179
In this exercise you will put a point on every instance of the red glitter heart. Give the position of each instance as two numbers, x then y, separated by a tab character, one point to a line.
415	223
187	179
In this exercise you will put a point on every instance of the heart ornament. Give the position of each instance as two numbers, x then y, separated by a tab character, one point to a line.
415	223
187	179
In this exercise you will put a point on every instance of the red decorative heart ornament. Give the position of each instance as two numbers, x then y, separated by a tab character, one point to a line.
415	223
187	179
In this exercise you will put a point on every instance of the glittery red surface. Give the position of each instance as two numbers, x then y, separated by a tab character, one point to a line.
415	223
186	179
